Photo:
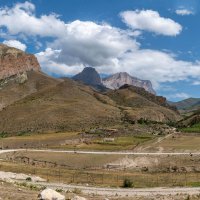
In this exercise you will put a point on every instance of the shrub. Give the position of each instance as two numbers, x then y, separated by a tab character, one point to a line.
28	179
59	190
127	183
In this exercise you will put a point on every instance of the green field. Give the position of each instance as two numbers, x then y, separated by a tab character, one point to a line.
73	140
193	129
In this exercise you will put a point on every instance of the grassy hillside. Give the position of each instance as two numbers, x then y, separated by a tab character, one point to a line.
191	123
141	104
64	105
187	105
45	104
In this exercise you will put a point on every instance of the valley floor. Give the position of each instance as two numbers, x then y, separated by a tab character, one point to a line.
160	167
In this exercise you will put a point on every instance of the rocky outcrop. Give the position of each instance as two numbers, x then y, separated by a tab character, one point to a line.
159	100
49	194
14	62
117	80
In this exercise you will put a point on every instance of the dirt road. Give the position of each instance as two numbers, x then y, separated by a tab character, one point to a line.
100	152
125	192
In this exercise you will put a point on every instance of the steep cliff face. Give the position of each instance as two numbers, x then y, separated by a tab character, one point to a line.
14	61
91	77
88	76
117	80
15	69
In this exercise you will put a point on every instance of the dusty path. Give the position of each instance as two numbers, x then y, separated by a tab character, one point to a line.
125	192
100	152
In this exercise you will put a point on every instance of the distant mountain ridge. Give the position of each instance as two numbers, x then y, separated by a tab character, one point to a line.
117	80
187	105
91	77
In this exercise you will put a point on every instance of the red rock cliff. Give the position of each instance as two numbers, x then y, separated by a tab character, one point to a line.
14	61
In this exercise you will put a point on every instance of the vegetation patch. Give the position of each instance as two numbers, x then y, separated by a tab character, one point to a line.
194	184
193	129
127	183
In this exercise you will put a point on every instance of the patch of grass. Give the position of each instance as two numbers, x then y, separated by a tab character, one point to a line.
193	129
30	186
3	134
23	133
194	184
122	142
35	140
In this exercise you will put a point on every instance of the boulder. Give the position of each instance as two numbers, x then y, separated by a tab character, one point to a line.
49	194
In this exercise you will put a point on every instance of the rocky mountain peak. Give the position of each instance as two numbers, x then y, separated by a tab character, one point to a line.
14	61
89	76
117	80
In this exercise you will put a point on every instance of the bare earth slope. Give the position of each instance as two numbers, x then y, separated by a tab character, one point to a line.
65	105
31	101
137	104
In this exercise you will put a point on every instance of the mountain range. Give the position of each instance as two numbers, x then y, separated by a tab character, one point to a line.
187	105
31	101
91	77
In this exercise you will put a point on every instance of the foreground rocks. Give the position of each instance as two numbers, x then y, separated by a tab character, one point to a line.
49	194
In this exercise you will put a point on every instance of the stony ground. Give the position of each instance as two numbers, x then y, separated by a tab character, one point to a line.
9	191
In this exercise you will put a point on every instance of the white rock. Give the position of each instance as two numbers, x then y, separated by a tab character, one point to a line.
78	198
49	194
10	177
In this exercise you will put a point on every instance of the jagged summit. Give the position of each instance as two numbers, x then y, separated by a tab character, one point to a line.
89	76
14	61
117	80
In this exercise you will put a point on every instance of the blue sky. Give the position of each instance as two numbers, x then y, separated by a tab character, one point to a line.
150	39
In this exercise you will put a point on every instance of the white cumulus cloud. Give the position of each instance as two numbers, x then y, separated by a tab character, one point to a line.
181	95
15	43
92	44
184	12
150	20
109	49
21	19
